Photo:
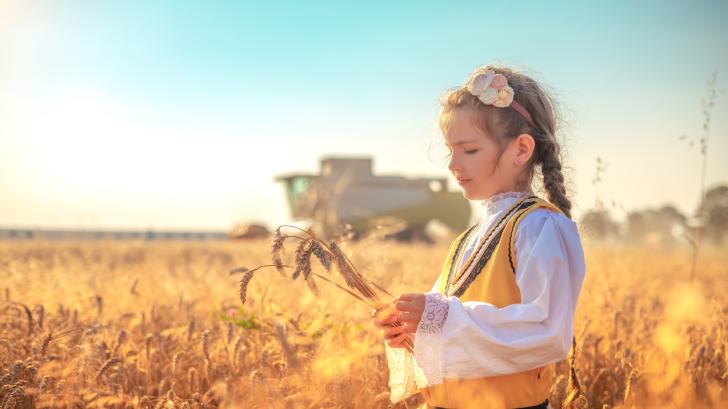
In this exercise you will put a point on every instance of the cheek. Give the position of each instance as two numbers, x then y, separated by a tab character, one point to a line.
481	165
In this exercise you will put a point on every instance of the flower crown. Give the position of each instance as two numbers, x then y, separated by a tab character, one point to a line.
492	88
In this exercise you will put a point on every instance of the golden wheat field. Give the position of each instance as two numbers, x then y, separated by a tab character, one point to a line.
160	324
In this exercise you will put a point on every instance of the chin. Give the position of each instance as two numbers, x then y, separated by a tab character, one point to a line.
469	195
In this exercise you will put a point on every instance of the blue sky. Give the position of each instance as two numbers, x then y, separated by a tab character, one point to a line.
178	114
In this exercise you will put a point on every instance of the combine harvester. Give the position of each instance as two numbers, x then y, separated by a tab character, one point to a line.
346	193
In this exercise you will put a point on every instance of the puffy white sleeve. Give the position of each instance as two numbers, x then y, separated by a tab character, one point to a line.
477	339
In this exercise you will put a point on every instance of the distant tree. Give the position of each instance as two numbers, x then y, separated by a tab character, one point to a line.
636	225
598	223
658	226
714	211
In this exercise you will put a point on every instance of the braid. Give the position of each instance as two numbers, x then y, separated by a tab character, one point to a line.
553	179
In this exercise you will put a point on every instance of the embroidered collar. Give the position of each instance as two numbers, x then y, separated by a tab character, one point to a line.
501	201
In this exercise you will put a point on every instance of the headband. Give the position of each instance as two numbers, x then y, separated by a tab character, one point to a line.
492	88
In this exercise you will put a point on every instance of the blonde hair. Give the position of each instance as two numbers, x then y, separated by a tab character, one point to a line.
504	124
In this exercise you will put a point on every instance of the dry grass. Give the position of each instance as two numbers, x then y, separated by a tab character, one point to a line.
160	325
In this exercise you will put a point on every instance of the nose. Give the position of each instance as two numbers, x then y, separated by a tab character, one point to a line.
454	165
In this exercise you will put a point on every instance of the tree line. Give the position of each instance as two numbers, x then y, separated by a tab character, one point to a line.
664	224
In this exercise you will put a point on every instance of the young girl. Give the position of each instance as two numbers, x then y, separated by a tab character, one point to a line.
501	311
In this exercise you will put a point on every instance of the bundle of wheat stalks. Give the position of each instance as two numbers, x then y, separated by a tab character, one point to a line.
328	254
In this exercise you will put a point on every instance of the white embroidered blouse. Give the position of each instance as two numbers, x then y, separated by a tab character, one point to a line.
475	339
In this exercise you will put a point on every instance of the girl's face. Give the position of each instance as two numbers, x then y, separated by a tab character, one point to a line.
475	159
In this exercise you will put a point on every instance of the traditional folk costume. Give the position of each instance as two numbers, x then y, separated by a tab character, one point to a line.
500	314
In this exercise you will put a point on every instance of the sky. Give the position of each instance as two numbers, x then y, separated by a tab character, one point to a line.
179	114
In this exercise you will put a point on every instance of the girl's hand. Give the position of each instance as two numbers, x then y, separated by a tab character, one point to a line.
407	312
386	319
410	308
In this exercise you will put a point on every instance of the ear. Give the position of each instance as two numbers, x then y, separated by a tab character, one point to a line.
523	146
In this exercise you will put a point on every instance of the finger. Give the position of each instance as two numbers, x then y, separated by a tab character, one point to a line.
397	341
404	305
390	332
409	317
406	297
409	328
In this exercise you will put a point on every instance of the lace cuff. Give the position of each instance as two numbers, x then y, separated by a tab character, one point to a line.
434	314
428	338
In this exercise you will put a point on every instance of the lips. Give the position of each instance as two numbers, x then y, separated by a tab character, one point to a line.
463	181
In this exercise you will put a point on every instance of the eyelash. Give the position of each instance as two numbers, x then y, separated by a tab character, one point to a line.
468	152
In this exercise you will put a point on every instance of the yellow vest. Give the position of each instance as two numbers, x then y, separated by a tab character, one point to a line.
492	280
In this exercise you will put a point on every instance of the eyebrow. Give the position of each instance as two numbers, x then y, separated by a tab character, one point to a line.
462	142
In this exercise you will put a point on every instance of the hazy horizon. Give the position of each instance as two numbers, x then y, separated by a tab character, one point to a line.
171	116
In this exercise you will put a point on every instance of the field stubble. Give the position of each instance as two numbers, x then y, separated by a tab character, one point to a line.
133	324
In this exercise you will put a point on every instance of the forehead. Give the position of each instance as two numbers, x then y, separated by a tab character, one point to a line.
460	128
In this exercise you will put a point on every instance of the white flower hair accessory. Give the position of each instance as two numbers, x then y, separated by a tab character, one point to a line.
492	88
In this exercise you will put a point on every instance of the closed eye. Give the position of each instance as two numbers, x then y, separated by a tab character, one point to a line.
471	151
